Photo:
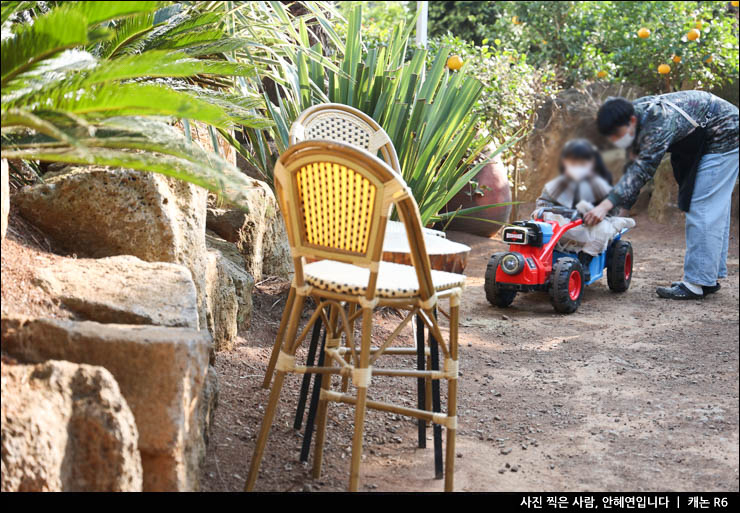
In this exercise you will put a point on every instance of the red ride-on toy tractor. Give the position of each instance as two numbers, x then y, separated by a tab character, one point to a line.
533	264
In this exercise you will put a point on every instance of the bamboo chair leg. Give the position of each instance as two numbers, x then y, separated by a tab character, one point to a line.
437	408
354	474
421	382
310	360
292	326
323	405
279	338
428	386
317	383
452	403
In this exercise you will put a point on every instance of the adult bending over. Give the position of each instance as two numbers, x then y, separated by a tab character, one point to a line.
700	131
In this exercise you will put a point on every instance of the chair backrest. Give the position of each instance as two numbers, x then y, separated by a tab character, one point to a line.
345	124
336	199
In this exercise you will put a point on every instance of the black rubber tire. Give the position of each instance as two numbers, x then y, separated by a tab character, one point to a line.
495	295
615	275
559	280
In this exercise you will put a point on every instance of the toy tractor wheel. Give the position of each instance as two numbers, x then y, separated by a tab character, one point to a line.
566	285
495	295
619	270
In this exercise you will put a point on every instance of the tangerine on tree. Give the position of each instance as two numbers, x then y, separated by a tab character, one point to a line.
643	33
735	4
664	69
698	25
601	74
693	35
676	59
454	62
708	59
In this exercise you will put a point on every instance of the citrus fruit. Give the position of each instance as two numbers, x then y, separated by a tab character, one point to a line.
698	25
454	62
708	59
693	35
664	69
676	59
601	74
735	4
643	33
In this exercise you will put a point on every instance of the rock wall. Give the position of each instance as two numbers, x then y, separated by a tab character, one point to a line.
258	231
99	212
66	427
161	373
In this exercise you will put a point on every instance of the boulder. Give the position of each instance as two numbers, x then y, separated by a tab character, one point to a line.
258	231
5	193
663	206
123	290
99	212
570	114
66	427
161	372
229	292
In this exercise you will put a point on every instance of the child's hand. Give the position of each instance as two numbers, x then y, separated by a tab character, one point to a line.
599	212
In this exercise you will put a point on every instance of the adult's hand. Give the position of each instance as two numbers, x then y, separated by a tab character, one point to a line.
598	213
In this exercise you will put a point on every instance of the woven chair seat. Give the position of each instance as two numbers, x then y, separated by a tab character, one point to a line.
394	280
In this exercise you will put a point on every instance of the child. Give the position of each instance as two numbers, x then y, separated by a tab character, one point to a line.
583	178
584	181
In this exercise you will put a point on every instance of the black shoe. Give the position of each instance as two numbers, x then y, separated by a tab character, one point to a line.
679	291
710	289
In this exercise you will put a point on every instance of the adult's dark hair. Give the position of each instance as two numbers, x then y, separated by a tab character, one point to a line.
613	113
582	149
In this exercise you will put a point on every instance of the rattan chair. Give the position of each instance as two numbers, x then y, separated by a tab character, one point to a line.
336	200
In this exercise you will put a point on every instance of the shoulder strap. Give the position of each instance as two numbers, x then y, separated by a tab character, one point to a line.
681	111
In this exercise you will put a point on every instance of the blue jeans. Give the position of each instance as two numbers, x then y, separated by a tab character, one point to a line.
708	219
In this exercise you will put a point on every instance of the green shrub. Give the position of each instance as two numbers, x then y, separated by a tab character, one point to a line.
582	38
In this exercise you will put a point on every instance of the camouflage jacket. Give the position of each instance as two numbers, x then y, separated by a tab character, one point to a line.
659	125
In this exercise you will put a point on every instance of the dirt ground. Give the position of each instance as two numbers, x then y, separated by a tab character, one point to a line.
632	392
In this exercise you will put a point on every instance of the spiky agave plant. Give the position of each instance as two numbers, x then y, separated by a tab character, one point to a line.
426	110
100	82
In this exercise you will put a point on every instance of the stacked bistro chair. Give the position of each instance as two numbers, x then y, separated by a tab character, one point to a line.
336	200
345	124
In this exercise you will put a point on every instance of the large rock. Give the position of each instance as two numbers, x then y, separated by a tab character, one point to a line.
201	135
98	212
663	206
5	192
570	114
66	427
123	290
229	292
161	372
258	231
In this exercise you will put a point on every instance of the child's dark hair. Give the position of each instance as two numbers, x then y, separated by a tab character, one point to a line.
613	113
582	149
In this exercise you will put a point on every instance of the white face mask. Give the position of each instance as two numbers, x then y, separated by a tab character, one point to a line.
578	173
625	141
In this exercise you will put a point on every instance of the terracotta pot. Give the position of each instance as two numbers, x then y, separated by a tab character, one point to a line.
494	188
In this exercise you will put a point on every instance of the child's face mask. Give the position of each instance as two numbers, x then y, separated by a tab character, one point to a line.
578	172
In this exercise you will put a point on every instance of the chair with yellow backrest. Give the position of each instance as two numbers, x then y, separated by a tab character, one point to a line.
336	200
342	123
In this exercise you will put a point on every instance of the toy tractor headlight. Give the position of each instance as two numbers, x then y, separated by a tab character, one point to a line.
512	263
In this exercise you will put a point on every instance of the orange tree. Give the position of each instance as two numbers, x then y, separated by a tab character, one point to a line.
583	39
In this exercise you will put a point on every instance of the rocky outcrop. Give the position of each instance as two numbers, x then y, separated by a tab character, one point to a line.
229	292
99	212
663	206
201	135
123	290
570	114
258	231
66	427
5	193
161	373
